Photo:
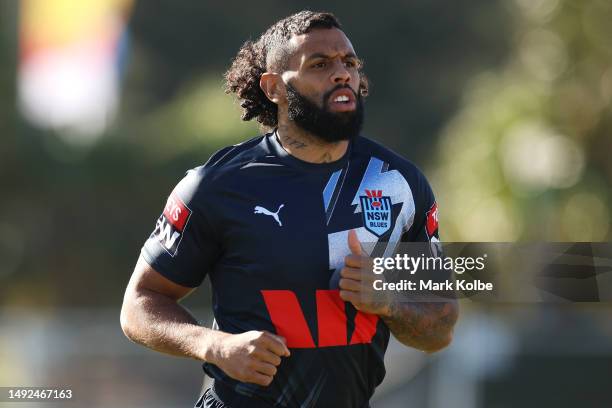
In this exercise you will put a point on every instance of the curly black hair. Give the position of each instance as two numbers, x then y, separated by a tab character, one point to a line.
271	51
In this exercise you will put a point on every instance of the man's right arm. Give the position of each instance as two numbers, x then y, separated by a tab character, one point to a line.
152	316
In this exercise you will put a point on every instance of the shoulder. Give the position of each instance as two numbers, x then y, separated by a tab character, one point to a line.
228	159
200	181
231	157
368	149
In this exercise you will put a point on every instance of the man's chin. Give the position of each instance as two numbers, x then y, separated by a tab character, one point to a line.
344	118
339	126
331	123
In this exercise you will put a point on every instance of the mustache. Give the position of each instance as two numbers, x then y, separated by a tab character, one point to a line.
327	94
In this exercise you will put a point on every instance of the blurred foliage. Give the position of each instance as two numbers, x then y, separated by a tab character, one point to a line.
505	104
527	155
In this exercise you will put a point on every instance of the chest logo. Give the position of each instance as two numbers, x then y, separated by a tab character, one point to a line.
376	210
262	210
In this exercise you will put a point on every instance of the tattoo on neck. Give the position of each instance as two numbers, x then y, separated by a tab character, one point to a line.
289	141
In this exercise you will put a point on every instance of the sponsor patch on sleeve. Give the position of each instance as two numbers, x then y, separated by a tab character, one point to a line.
432	220
172	223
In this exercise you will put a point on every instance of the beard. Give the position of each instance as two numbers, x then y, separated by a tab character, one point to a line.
321	122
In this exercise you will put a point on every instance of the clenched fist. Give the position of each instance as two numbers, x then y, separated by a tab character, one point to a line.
250	357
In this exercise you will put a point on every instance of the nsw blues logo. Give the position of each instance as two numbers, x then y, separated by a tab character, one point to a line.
376	210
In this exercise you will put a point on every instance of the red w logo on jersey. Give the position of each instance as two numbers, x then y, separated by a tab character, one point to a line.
289	321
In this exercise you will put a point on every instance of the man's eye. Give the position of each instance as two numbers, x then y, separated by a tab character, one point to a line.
319	65
350	64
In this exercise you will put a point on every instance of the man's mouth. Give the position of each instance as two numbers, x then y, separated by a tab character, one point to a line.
342	100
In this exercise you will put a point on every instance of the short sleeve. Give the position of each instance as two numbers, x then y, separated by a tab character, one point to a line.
183	246
425	230
425	225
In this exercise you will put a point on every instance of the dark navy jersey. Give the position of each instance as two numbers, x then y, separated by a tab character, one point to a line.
271	233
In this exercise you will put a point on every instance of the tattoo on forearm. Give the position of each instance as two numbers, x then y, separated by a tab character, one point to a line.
423	325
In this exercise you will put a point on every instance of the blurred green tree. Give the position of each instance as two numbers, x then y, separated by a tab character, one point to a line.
526	156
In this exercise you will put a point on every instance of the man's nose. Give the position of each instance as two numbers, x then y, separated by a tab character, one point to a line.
341	74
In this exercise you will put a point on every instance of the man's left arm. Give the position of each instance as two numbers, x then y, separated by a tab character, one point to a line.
427	326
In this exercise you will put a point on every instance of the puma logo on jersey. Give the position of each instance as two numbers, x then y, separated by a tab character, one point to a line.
261	210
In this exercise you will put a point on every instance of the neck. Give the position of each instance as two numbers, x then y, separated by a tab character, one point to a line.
308	147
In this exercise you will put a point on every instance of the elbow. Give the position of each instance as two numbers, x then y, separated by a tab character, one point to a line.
445	337
126	320
439	344
445	333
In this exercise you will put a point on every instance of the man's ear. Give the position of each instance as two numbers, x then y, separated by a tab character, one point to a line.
272	85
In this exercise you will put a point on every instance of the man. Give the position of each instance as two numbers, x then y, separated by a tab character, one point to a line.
276	223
